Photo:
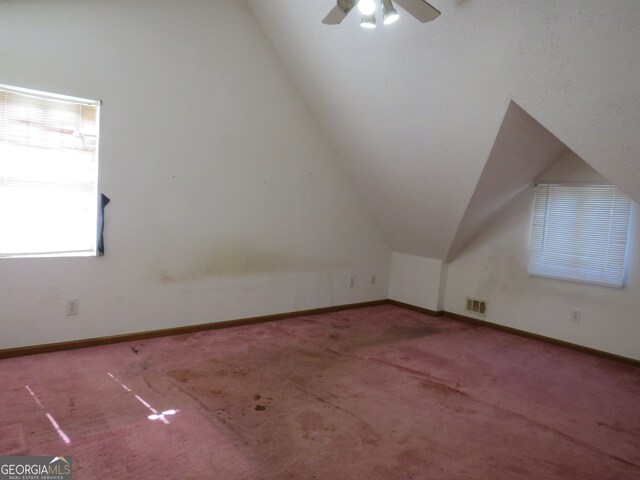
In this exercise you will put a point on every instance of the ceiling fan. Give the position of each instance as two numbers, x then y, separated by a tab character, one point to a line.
419	9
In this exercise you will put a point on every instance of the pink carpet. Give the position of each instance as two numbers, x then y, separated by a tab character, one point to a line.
375	393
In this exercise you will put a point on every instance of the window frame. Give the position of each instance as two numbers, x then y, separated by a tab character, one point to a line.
579	273
80	101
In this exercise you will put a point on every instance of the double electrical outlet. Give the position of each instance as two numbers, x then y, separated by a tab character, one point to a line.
575	316
72	307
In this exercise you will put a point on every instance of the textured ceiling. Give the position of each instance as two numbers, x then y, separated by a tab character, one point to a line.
414	109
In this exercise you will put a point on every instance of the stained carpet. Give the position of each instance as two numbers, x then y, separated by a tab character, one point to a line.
374	393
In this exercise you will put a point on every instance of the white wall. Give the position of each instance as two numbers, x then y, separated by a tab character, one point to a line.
522	151
493	266
416	280
226	200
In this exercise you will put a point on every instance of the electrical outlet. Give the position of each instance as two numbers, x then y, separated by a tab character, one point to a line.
352	282
73	307
373	279
575	316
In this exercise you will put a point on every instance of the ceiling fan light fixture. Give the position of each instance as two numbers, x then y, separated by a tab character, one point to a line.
421	10
367	7
368	21
390	14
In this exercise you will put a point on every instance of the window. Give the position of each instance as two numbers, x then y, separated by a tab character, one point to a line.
580	233
48	174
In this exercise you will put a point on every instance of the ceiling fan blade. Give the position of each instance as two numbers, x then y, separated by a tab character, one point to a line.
341	10
334	17
420	9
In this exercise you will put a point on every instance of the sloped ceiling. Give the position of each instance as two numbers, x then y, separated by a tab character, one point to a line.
414	109
523	150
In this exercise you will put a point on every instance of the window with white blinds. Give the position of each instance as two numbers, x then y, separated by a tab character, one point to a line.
580	233
48	174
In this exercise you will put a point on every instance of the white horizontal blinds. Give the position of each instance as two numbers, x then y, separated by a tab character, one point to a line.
580	233
48	123
48	174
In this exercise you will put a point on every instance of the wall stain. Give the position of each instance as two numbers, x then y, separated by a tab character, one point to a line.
238	258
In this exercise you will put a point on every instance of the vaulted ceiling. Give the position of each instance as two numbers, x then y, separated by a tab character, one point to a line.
415	110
